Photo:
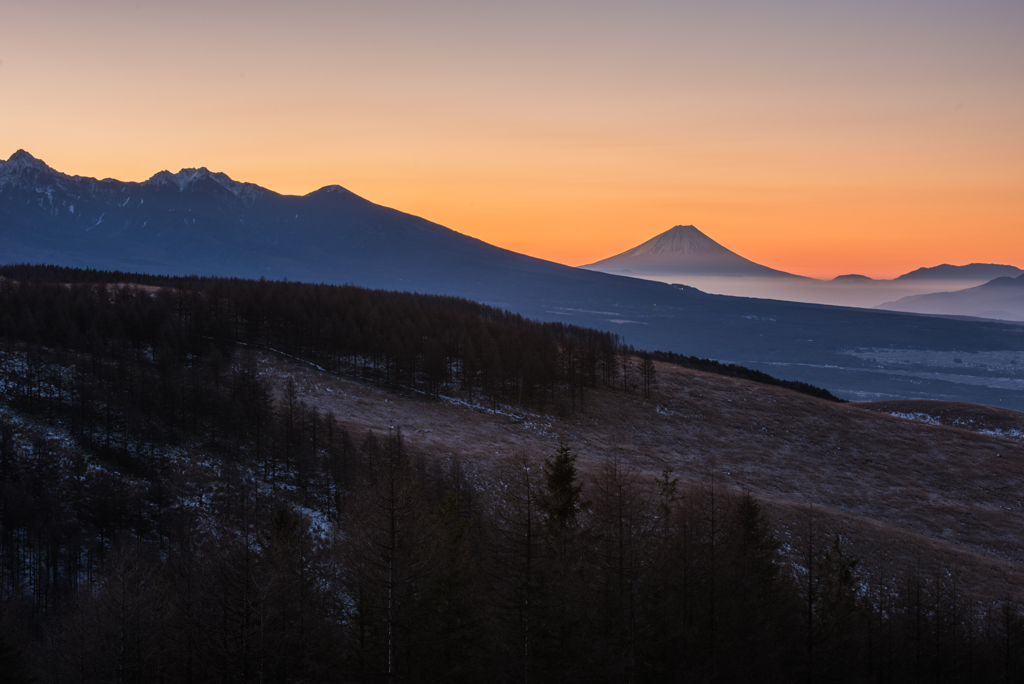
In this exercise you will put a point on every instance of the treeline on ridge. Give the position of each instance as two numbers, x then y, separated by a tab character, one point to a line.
394	338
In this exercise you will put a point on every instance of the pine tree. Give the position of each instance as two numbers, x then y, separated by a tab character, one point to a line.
562	496
563	505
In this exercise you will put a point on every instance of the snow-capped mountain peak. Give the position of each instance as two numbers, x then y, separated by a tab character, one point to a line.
23	166
23	160
186	178
682	250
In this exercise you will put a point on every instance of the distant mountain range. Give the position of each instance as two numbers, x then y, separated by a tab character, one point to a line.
968	273
687	256
1001	298
686	251
197	221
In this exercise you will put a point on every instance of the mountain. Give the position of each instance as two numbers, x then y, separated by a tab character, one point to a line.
684	255
683	251
976	273
197	221
1001	298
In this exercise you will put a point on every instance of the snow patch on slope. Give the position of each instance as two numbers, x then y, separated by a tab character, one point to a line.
965	423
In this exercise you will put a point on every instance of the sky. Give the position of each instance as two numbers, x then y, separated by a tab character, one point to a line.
821	138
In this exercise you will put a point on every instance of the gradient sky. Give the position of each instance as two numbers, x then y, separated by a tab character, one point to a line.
820	138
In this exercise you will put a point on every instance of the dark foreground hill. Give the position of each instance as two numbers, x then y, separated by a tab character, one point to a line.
196	221
176	505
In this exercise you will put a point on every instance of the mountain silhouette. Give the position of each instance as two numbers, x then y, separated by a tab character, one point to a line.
1000	298
685	255
201	222
968	272
683	251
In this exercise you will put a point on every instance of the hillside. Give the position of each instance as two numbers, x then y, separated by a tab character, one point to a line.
201	474
899	489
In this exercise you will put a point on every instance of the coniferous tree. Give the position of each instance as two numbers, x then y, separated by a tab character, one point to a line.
624	530
521	571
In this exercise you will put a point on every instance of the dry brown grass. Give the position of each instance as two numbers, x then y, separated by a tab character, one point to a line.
904	493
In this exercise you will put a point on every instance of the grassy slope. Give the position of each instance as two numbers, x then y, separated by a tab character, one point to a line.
906	494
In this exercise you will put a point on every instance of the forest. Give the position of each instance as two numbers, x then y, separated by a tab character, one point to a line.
169	512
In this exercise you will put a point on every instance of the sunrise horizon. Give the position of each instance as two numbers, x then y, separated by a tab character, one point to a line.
729	234
820	139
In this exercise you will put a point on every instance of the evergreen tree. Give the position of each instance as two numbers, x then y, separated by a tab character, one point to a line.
562	496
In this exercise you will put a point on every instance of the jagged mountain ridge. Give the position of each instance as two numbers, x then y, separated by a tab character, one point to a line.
197	221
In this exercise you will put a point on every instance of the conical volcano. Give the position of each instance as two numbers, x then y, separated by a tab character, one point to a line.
683	251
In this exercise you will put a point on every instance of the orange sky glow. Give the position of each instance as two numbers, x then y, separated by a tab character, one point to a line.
816	138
